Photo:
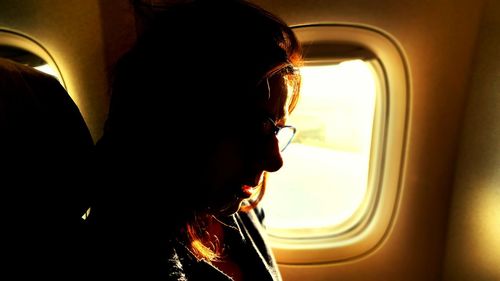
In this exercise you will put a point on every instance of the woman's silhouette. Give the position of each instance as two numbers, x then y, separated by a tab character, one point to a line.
197	116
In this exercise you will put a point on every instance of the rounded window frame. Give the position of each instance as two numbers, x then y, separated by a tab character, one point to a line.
21	41
387	157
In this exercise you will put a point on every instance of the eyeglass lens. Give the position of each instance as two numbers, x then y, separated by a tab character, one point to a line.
285	136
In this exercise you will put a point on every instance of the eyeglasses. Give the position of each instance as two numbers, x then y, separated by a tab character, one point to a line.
284	134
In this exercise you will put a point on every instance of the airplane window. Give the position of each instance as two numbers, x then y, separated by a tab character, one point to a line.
325	177
28	58
336	196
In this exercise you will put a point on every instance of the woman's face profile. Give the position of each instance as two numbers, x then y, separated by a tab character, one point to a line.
240	160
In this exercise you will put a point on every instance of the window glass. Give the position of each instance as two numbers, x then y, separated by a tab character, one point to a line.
47	69
325	176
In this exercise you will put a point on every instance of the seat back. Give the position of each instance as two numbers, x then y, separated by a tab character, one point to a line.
45	170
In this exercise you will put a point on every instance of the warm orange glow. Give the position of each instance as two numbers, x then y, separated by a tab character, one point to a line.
484	241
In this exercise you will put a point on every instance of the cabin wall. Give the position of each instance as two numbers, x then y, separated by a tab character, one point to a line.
438	38
84	39
473	248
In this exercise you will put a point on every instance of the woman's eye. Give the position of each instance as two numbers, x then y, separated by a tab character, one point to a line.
267	127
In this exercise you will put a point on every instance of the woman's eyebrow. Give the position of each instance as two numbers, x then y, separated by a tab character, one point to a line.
279	119
278	116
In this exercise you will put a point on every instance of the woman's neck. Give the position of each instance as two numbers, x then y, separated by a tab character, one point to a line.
226	262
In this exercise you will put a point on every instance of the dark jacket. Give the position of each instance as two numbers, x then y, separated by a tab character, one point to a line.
129	255
255	257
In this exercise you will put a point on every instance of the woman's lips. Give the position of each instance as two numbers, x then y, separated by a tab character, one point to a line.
249	186
247	191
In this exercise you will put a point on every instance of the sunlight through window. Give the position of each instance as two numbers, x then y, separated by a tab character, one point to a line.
49	70
324	179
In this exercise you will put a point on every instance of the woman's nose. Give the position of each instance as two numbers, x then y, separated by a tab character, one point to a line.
272	156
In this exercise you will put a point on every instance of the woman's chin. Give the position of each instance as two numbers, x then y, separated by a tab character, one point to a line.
230	208
228	203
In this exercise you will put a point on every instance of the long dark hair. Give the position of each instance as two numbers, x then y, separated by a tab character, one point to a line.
194	58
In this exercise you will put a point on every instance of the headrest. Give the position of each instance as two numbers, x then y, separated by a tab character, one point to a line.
45	145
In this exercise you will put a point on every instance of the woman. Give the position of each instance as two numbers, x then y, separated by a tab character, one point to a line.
198	108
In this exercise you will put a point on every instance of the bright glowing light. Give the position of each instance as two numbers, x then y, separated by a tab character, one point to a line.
49	70
324	179
86	214
483	243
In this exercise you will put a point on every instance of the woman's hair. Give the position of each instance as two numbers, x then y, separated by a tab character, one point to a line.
190	73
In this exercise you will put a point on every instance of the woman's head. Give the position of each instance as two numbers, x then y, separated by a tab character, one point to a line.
253	146
194	102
